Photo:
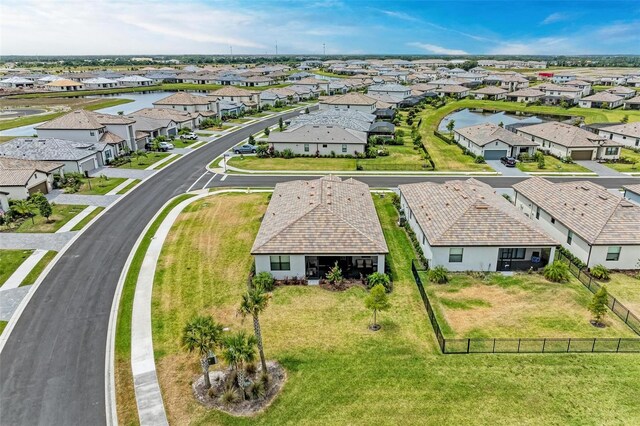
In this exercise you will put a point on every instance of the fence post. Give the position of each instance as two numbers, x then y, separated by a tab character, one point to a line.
627	317
444	345
544	343
519	340
468	344
594	345
569	344
494	346
614	303
618	347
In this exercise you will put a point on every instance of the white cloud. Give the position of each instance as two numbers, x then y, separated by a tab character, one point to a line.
400	15
538	46
555	17
432	48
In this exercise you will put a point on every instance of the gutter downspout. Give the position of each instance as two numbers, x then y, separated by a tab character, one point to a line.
589	256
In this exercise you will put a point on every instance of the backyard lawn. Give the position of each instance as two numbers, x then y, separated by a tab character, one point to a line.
144	162
552	165
99	185
10	260
33	275
626	289
341	373
62	213
627	167
522	305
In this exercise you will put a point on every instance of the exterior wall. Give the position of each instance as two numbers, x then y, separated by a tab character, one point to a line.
71	134
630	141
473	259
125	131
15	192
629	256
298	148
4	201
593	104
298	266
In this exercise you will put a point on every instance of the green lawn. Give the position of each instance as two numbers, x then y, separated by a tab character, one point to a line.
87	219
3	325
33	119
626	289
341	373
238	120
8	138
220	128
183	143
129	187
62	213
144	162
125	396
552	165
627	167
99	185
523	305
37	270
10	260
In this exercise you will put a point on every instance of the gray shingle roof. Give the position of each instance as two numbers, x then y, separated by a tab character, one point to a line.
311	133
470	213
588	209
323	216
350	119
48	149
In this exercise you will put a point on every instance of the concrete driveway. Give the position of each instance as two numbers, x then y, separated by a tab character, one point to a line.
506	171
599	169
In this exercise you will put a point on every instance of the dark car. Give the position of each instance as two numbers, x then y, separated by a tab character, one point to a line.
508	161
244	149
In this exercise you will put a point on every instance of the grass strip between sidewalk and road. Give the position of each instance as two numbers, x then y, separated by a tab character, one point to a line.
125	394
87	219
37	270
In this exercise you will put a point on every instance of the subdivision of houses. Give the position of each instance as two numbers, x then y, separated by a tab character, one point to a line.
594	224
566	141
467	226
312	225
493	142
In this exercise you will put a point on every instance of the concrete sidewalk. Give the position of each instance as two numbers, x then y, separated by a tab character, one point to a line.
23	270
82	200
10	299
599	169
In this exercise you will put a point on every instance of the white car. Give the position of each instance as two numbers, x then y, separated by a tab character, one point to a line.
192	136
166	145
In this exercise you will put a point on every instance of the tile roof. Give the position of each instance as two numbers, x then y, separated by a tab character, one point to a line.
490	90
627	129
63	82
17	172
634	100
470	213
111	138
635	188
232	91
183	98
566	135
589	210
603	97
322	216
350	119
84	120
452	88
353	98
485	133
164	114
528	92
315	133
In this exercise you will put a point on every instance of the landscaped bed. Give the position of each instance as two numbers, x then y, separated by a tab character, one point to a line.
626	288
338	371
552	165
519	306
62	213
10	260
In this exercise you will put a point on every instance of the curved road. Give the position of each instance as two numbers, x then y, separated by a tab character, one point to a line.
52	367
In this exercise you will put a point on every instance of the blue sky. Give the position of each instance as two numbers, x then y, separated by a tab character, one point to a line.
50	27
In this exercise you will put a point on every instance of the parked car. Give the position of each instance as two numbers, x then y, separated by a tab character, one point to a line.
165	146
191	136
244	149
508	161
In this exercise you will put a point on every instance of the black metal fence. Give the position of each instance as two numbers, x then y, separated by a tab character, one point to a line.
614	304
520	345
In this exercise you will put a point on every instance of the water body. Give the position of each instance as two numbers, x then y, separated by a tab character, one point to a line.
466	117
140	100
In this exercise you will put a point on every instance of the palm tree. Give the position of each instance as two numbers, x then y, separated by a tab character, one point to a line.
253	303
202	334
23	208
239	350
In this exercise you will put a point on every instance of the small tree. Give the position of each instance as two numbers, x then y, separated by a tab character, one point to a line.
599	272
377	300
625	119
202	334
501	124
254	302
251	140
450	126
239	350
335	274
266	131
598	305
280	124
45	209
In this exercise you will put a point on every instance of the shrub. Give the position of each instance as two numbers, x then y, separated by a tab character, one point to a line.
287	153
566	253
438	275
600	272
230	396
266	131
264	281
395	199
250	369
479	160
556	272
379	278
256	390
335	274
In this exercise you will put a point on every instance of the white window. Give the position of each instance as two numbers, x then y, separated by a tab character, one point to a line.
455	254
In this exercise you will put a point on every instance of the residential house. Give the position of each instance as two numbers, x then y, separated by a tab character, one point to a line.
394	90
182	119
187	102
528	95
613	80
625	92
493	142
594	224
633	103
347	119
135	81
467	226
351	101
147	128
563	78
554	93
319	140
77	157
322	85
250	99
601	100
100	83
490	92
585	86
258	81
64	85
310	226
566	141
627	134
16	82
454	91
21	178
88	126
632	192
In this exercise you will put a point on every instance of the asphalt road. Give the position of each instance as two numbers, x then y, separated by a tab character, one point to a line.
52	368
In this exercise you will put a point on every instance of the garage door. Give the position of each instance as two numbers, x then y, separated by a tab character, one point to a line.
494	154
582	154
87	166
41	187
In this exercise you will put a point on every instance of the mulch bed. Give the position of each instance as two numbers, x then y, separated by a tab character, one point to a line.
344	285
251	407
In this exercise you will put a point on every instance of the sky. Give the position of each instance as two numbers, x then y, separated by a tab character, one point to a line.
455	27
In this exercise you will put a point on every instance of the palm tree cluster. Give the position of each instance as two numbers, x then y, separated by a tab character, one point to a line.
203	335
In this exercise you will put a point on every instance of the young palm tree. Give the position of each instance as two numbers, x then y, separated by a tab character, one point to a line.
23	208
253	303
239	350
202	334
